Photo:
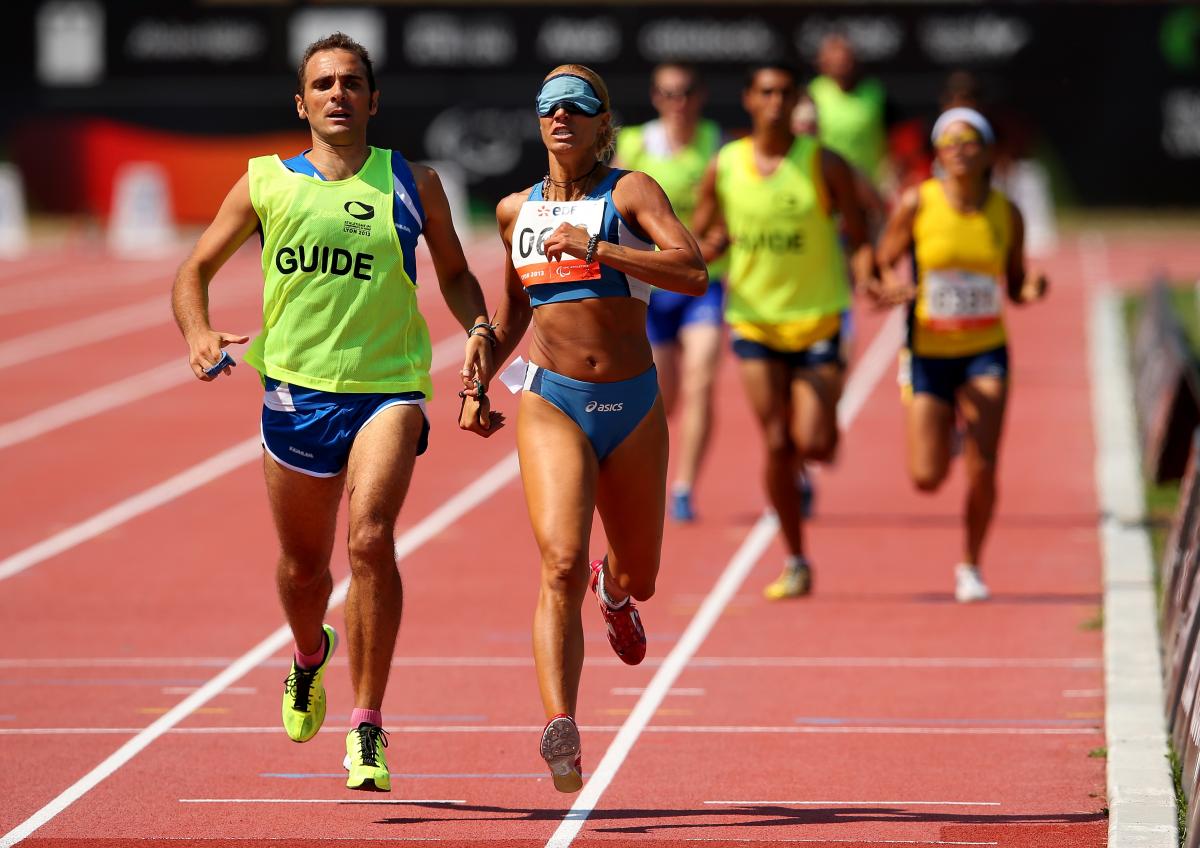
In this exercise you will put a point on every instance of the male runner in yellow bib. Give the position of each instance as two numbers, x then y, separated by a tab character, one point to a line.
344	356
775	194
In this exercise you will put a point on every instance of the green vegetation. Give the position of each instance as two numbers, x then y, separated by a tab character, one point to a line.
1098	753
1181	804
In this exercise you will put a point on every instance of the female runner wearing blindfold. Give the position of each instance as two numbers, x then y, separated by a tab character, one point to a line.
591	432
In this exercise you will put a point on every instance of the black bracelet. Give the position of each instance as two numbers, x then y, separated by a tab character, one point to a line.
593	242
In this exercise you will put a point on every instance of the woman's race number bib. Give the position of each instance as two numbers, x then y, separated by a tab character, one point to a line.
960	300
537	220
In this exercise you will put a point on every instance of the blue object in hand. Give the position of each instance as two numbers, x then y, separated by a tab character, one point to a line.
215	370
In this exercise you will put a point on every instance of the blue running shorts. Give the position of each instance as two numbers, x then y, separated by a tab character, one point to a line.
942	377
669	312
311	431
606	412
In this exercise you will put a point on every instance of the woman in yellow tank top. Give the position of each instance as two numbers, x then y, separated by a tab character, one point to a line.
966	241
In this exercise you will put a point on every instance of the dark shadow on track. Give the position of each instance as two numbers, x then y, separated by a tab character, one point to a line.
751	816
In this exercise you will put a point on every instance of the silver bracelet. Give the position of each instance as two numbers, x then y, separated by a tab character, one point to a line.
592	244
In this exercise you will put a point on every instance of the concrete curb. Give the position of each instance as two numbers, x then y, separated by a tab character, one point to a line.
1141	795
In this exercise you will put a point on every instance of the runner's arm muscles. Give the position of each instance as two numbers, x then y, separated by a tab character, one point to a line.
460	290
708	224
235	222
894	244
897	234
514	311
1014	271
1024	285
843	193
677	264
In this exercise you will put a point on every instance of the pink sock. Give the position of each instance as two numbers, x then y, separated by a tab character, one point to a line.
310	661
358	716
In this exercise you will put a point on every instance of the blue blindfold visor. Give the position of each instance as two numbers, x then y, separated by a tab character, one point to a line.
572	93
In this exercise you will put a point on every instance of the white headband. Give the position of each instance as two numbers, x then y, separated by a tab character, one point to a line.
966	116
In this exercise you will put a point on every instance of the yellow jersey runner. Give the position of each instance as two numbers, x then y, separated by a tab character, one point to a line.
787	278
339	309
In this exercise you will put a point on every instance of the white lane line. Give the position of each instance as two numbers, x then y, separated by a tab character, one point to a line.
44	292
86	331
898	662
385	801
187	690
152	498
683	691
714	729
526	661
1083	693
828	841
168	375
482	488
861	382
862	803
230	459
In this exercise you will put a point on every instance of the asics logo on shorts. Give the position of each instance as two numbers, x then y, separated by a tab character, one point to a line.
593	406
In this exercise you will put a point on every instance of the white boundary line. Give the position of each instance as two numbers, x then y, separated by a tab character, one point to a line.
860	803
44	292
467	499
966	663
95	328
1141	795
175	487
711	729
828	841
319	801
228	460
101	399
169	374
872	366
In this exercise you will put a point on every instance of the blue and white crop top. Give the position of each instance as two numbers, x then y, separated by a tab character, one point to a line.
572	279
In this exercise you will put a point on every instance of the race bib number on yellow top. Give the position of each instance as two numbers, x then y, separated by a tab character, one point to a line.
537	220
960	300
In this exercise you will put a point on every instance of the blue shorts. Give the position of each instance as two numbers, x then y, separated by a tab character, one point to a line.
669	312
822	353
312	432
942	377
606	412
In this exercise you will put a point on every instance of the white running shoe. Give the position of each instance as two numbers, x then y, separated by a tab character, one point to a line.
968	587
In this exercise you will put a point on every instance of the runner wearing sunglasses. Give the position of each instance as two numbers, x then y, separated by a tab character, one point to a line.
591	431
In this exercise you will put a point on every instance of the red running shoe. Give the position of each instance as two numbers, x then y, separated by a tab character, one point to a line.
560	749
625	632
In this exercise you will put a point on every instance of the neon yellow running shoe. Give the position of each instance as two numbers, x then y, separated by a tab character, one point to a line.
304	695
365	759
791	583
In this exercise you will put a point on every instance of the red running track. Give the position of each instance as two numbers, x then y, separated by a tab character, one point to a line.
876	712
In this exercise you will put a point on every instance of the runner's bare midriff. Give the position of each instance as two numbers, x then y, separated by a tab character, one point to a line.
601	340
